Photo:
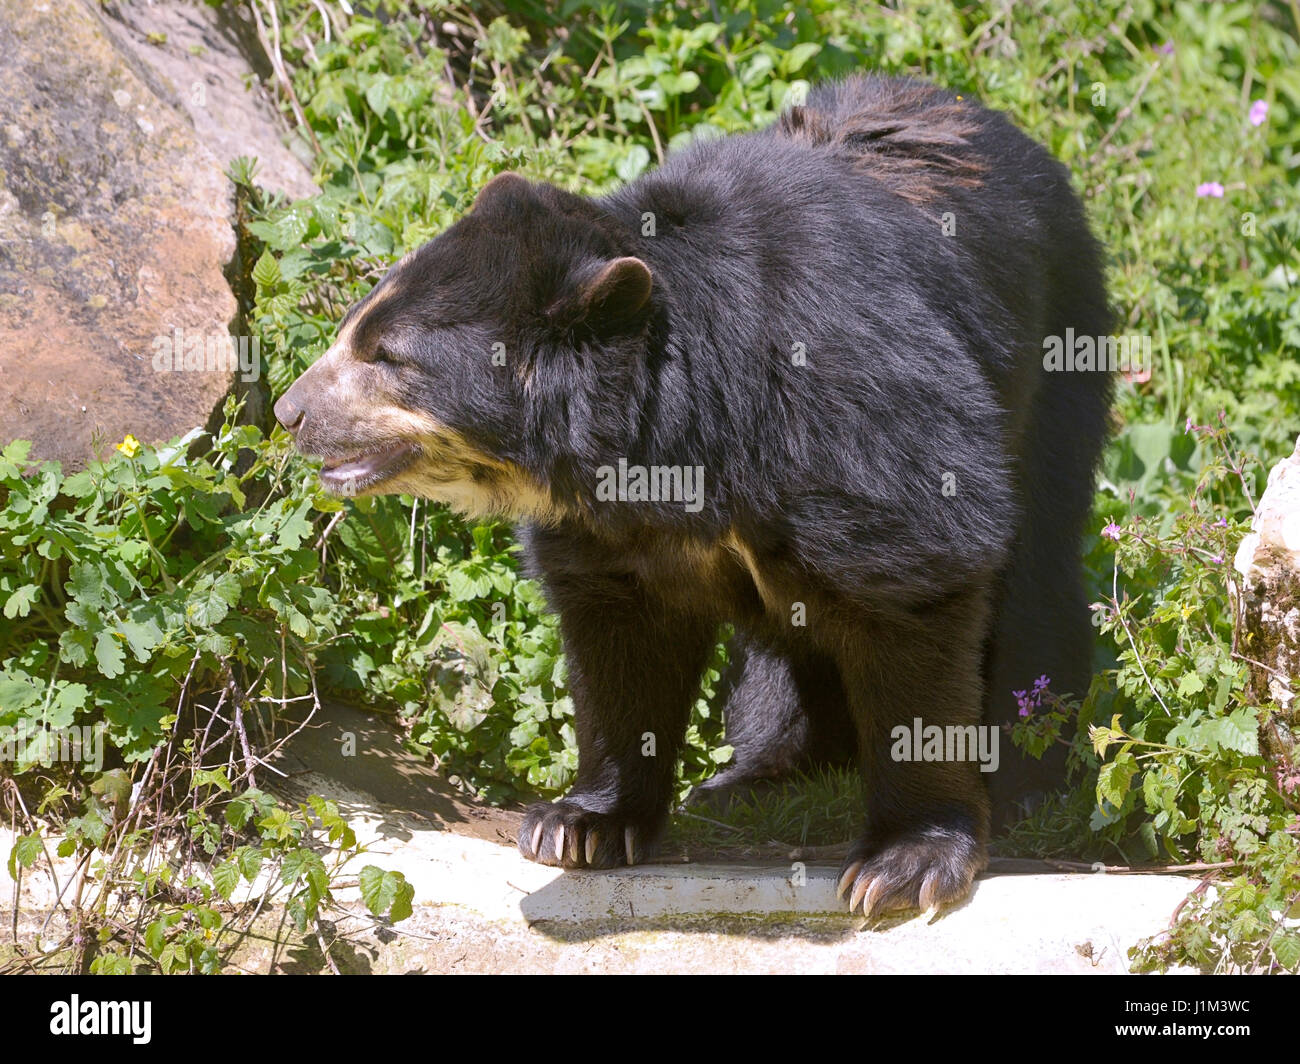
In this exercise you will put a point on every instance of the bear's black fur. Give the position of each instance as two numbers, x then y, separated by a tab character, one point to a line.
841	319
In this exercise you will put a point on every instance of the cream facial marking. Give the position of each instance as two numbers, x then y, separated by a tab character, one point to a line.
398	450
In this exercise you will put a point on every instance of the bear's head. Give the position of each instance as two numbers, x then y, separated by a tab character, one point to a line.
488	366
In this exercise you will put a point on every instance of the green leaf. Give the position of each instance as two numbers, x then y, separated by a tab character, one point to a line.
1286	948
211	777
296	863
108	654
86	584
757	69
1114	778
24	853
225	878
1239	731
378	94
19	604
1141	452
69	699
90	827
17	695
141	637
111	964
402	900
238	811
14	457
155	937
679	84
114	788
373	237
386	892
796	57
631	165
249	860
174	957
267	271
212	599
375	890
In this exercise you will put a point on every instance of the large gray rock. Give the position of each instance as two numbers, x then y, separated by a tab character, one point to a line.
208	59
1268	601
113	232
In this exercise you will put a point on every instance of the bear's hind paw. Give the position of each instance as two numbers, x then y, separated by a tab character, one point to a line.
929	869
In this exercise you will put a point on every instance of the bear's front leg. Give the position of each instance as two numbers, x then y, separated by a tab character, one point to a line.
914	692
634	669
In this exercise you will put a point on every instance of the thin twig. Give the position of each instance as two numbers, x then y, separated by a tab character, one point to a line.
708	820
1259	664
1114	591
272	50
1127	109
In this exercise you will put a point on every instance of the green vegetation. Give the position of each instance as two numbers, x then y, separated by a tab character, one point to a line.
144	589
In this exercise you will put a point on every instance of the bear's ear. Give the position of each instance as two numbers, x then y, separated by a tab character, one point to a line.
504	186
611	296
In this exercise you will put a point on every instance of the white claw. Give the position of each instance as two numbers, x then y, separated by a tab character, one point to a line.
537	839
629	844
859	892
846	879
871	896
575	837
929	888
591	846
559	845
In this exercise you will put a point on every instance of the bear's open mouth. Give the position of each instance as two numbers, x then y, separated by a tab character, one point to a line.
349	476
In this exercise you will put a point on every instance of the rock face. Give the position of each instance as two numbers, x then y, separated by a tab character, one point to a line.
113	233
115	217
202	57
1268	600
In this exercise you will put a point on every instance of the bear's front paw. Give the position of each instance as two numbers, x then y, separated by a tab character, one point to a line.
926	868
566	834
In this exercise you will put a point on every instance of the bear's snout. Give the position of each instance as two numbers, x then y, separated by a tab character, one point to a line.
289	412
309	406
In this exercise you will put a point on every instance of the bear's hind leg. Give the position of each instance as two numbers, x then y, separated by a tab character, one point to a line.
785	712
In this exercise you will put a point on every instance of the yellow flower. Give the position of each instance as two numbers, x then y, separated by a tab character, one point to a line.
129	446
1187	611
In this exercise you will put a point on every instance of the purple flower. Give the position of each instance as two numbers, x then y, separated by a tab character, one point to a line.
1217	559
1258	112
1111	531
1166	49
1210	188
1189	426
1222	522
1028	701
